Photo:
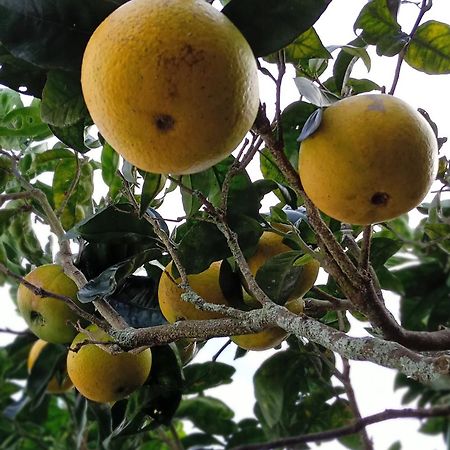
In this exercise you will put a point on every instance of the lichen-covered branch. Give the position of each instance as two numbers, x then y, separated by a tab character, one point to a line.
355	427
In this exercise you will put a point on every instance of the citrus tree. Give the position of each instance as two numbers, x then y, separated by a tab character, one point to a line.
123	291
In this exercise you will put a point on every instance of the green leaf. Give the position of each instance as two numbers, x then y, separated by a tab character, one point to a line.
270	25
376	22
208	414
293	120
110	279
74	136
160	396
110	166
345	61
200	242
20	125
153	184
382	248
62	100
200	182
51	35
114	222
50	359
207	375
137	302
277	383
278	276
199	440
20	75
307	46
429	49
359	86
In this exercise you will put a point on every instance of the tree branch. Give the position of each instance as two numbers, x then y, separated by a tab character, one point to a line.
358	425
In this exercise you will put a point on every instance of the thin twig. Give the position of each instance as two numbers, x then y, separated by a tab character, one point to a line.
39	291
358	425
221	349
365	248
425	6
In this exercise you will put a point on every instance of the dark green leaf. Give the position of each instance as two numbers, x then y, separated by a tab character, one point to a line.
74	135
51	35
160	396
200	243
115	222
20	75
49	360
293	120
382	248
208	414
200	183
270	25
278	276
136	301
429	49
110	279
199	441
62	100
202	376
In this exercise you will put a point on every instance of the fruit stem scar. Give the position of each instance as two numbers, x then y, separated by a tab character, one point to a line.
164	122
380	198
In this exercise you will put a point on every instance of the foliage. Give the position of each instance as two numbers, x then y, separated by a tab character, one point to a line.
117	230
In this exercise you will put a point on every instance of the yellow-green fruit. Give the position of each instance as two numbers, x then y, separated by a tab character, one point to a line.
270	245
55	385
101	376
171	84
372	158
206	284
48	318
271	337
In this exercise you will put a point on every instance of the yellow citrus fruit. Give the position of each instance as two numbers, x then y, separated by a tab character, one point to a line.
48	318
55	385
101	376
171	84
372	158
270	337
271	244
206	284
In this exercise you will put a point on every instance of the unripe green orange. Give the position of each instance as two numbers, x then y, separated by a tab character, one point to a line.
48	318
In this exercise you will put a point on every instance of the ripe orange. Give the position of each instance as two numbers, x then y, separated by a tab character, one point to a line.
101	376
171	84
372	158
206	284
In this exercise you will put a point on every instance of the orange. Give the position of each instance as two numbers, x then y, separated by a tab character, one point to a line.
171	84
49	318
372	159
206	284
104	377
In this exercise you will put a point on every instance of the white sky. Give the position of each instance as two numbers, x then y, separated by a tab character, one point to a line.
373	385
